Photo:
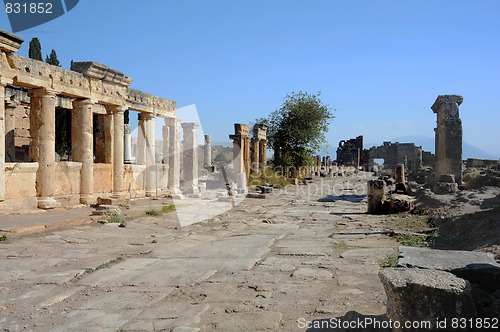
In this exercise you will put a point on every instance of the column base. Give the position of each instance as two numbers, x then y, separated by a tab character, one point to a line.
119	195
88	199
47	203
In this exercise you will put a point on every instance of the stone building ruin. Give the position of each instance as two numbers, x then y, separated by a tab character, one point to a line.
97	96
351	153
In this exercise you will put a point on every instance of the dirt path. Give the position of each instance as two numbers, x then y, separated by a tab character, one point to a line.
264	265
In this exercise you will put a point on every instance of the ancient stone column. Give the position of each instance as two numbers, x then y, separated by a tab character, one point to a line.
141	141
174	155
263	153
400	173
82	147
42	149
3	83
376	196
254	155
241	133
127	144
118	160
246	155
166	143
207	162
10	126
190	158
149	120
448	137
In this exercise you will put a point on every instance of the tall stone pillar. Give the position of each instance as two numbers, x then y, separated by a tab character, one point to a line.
82	147
254	155
190	158
239	142
263	153
118	159
10	126
127	144
42	150
207	162
166	143
448	137
174	156
141	141
246	155
3	83
149	120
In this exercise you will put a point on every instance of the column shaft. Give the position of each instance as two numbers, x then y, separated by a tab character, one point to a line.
149	120
42	126
263	154
141	141
82	137
118	122
3	83
190	158
255	155
174	154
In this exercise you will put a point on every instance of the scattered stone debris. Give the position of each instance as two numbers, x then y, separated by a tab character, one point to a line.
106	210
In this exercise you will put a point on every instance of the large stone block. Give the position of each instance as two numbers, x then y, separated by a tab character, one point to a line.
426	295
476	267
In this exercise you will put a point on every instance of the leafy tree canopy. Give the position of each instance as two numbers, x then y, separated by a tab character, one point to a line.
297	129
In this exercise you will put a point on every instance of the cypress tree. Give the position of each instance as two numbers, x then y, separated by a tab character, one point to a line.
35	51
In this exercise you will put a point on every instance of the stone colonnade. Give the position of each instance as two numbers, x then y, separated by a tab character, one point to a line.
88	89
241	152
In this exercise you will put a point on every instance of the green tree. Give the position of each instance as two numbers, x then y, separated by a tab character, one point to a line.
35	51
52	59
297	129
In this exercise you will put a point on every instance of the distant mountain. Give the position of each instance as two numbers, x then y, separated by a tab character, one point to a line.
427	143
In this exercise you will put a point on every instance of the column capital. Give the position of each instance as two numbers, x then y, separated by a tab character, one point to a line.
147	116
172	121
42	92
84	102
116	109
190	125
4	81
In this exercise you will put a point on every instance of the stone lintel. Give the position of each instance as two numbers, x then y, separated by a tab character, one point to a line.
9	42
237	137
102	72
189	125
446	99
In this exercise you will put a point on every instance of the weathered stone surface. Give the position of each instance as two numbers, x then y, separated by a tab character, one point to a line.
402	203
476	267
447	178
446	188
426	295
107	210
376	196
307	273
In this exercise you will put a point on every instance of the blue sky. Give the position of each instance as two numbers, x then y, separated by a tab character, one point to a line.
380	64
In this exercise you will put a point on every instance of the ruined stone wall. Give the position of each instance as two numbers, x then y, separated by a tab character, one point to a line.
103	178
398	153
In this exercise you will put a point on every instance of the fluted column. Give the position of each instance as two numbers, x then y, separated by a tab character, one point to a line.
118	158
82	138
42	126
174	155
149	120
3	83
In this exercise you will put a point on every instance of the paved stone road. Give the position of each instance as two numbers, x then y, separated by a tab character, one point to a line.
261	266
